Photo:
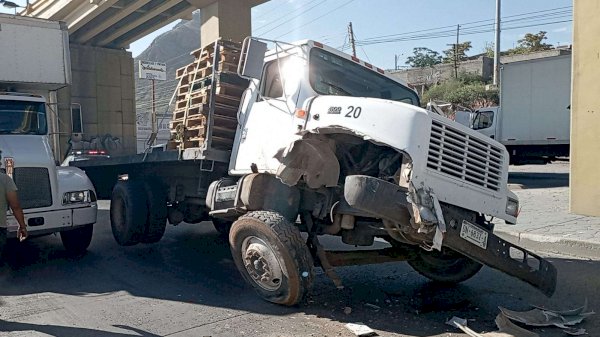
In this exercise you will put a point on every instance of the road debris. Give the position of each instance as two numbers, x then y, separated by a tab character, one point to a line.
575	332
372	306
545	317
510	329
505	326
360	329
461	323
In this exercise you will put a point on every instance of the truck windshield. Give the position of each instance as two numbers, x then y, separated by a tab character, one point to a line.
23	117
334	75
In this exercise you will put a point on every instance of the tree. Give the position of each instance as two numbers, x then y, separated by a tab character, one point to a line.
467	90
463	48
489	49
531	43
423	57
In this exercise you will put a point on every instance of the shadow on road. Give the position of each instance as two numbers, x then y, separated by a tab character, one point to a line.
58	330
192	266
538	179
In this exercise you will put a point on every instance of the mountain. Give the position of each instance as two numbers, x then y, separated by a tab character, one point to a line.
173	48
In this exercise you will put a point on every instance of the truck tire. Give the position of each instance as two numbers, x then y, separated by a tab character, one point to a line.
222	226
272	257
156	223
128	212
76	241
444	267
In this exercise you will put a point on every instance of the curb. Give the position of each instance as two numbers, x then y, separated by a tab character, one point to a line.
552	244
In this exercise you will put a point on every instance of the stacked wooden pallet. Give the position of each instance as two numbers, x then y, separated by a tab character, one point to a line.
208	96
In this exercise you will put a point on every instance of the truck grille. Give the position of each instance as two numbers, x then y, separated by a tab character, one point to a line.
456	154
34	187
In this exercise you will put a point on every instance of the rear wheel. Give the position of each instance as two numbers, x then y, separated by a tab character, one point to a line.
128	212
76	241
156	223
447	266
272	257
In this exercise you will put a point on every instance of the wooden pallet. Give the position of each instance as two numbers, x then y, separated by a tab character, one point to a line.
196	83
203	97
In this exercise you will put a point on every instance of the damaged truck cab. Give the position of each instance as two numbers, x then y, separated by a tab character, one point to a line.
329	144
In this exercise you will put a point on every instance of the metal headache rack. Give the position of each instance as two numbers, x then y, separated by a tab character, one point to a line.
208	97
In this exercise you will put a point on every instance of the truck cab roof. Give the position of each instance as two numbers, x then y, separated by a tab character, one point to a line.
21	96
312	43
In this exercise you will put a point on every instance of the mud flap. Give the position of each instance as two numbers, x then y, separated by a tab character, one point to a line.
469	239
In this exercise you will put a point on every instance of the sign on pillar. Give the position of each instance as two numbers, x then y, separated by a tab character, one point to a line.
153	71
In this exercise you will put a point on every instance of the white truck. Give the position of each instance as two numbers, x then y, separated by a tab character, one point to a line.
34	63
328	144
533	119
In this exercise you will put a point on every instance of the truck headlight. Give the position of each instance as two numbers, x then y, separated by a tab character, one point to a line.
512	207
78	197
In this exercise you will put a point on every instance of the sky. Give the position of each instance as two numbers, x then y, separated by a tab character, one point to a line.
385	29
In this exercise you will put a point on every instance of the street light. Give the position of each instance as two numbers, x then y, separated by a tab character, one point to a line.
10	4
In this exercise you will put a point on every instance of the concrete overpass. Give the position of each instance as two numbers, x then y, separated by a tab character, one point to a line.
117	23
102	70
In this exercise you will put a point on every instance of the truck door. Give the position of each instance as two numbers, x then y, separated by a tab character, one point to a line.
485	122
267	122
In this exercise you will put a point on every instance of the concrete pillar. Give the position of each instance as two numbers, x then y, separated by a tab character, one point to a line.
585	109
227	19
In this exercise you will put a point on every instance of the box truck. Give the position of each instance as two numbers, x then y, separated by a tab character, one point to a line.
533	118
34	64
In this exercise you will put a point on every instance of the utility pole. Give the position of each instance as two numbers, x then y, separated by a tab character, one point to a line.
351	37
497	45
456	52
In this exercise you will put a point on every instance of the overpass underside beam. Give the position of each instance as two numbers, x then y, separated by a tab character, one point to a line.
117	23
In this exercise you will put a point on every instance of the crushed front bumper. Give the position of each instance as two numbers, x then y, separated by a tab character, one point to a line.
385	200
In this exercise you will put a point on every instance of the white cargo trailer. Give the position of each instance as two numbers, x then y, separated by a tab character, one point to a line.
533	119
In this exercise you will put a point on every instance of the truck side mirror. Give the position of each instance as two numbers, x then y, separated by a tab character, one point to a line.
252	59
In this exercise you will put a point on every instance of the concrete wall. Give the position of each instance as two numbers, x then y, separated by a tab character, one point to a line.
483	66
103	85
585	109
442	72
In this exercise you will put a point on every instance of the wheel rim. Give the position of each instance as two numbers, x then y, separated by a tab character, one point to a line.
261	263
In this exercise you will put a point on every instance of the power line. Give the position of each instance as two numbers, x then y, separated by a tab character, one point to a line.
271	11
287	21
285	16
449	29
319	17
452	33
464	24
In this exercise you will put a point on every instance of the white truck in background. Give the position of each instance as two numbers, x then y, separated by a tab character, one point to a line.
533	119
34	64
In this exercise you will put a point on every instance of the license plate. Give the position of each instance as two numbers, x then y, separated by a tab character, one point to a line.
474	234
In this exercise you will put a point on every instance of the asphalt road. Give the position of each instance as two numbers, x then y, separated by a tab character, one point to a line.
187	285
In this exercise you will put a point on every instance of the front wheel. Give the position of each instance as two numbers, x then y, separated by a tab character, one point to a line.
272	257
76	241
445	267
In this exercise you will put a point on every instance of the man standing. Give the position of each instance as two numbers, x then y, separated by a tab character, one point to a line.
9	198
